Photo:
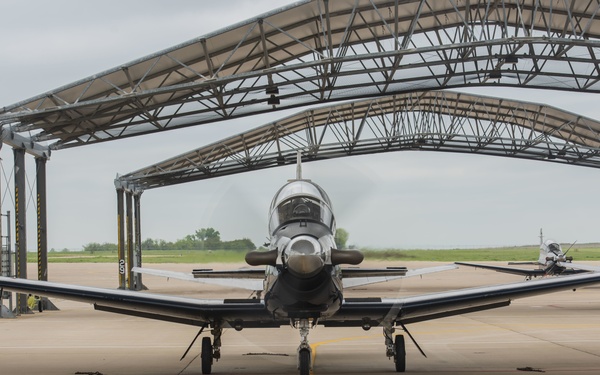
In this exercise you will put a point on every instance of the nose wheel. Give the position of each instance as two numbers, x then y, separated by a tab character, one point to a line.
304	350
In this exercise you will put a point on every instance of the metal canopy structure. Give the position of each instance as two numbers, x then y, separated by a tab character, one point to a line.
430	120
322	51
393	53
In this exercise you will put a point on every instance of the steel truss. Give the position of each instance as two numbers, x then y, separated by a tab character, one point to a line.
431	120
324	51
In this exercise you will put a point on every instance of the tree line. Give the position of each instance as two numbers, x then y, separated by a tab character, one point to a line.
202	239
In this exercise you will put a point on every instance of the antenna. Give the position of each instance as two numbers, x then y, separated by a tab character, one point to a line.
541	237
298	165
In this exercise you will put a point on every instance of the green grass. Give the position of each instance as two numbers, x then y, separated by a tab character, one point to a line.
525	253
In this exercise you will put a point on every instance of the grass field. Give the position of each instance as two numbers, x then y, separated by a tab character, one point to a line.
524	253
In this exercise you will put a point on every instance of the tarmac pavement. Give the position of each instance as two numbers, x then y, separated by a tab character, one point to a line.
557	333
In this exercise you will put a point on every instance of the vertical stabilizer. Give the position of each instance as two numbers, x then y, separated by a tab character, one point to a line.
298	165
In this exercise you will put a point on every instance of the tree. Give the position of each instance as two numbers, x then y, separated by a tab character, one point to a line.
209	238
341	237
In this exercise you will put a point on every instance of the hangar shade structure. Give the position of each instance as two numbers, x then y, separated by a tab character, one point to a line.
429	120
314	52
323	51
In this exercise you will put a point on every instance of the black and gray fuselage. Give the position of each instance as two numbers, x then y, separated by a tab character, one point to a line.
303	282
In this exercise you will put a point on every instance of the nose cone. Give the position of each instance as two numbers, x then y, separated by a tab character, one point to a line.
304	257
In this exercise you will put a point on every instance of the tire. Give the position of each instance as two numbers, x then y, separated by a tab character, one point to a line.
400	356
206	355
304	361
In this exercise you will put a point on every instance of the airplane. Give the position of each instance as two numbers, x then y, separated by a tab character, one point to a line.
551	262
303	287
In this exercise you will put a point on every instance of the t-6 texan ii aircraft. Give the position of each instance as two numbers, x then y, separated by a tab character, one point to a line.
551	262
303	286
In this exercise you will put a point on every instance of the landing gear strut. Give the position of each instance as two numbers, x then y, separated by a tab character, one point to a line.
211	351
395	348
304	350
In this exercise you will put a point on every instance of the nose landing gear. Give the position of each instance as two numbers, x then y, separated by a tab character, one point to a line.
304	350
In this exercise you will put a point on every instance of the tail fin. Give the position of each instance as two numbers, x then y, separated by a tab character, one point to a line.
298	165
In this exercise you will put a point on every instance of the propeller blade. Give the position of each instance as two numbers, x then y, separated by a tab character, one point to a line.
570	247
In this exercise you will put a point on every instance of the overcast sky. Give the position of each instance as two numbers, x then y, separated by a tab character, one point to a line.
404	199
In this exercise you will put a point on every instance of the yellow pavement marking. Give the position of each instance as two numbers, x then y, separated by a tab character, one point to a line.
314	346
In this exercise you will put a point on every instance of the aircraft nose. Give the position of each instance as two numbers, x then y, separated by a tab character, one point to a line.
304	257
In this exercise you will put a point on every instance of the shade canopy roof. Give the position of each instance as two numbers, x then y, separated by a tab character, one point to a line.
318	52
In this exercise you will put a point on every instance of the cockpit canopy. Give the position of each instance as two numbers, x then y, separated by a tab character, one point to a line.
553	247
300	200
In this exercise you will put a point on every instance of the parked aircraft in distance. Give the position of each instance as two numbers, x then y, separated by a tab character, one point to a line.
551	262
303	286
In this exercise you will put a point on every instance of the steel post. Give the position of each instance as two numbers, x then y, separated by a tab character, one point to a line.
129	224
121	238
20	225
42	235
138	240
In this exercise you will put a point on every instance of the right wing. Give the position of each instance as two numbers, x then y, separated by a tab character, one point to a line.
175	309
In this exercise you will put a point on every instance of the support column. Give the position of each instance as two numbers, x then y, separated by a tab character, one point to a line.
129	224
42	233
138	240
42	228
20	226
121	238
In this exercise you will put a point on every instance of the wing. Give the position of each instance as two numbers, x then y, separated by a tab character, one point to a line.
251	312
516	271
438	305
579	267
243	279
358	277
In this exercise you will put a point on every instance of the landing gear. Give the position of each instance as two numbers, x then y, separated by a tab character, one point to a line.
400	353
206	355
210	351
304	350
395	348
304	361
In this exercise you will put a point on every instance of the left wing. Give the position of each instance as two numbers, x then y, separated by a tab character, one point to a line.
570	269
534	272
455	302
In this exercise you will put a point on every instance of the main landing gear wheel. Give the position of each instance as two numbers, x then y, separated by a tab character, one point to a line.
206	355
304	361
400	353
